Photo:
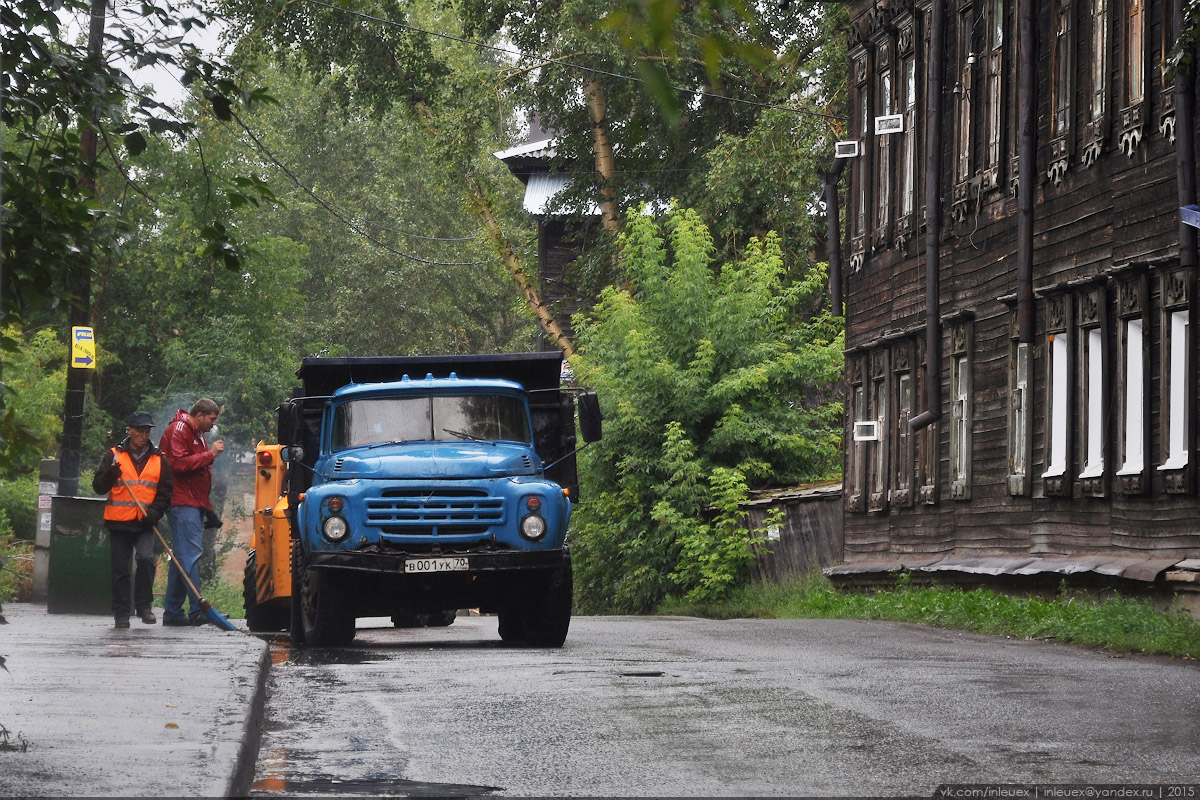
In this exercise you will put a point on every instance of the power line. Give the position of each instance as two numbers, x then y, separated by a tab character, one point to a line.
338	215
567	64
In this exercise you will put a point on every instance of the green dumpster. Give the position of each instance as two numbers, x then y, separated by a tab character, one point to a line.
80	574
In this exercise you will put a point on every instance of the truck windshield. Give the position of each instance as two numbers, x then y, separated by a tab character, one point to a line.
379	420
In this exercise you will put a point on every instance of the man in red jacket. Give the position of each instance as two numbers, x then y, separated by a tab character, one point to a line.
191	458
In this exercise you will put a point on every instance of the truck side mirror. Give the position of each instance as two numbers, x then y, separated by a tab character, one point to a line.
590	417
293	453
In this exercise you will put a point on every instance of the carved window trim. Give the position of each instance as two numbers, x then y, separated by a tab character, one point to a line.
1056	454
1135	76
1178	376
885	104
878	452
961	410
1096	131
1166	98
1132	413
861	168
1020	384
993	154
904	448
1062	88
1093	392
909	95
965	101
929	442
856	483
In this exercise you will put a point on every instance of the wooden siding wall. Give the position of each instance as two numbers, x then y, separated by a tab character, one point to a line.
810	536
1115	218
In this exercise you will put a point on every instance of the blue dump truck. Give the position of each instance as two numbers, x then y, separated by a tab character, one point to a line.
411	487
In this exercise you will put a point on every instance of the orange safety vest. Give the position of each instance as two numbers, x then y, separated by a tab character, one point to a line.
121	506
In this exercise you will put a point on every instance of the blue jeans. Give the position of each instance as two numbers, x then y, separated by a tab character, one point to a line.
187	540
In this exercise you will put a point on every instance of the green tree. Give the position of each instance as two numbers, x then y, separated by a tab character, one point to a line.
714	378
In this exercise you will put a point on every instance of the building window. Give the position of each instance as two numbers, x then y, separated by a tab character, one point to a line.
1092	405
1063	69
856	466
1133	425
1176	349
1176	371
880	469
1062	87
1058	418
1097	107
904	459
1131	412
1135	52
884	167
995	100
960	411
908	159
964	91
860	169
1018	419
1056	482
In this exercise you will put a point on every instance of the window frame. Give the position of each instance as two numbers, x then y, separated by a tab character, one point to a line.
1178	371
1062	89
878	462
1056	453
1093	391
1097	128
855	487
1020	373
1134	372
904	447
962	410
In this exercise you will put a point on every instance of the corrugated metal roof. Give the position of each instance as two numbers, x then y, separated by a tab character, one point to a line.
542	188
1137	569
542	149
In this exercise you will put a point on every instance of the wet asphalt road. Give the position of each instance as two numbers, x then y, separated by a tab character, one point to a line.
661	706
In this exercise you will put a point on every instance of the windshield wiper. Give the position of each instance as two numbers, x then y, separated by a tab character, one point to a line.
385	444
462	435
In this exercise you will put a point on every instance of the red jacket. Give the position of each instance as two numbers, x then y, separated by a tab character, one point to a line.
191	462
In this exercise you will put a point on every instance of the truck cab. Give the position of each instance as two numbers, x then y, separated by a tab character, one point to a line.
421	485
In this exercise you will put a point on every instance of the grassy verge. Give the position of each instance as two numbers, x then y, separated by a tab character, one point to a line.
1117	623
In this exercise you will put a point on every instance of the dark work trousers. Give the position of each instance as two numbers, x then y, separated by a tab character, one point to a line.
126	544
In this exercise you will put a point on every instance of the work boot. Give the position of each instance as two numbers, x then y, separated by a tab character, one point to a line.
121	622
147	616
176	622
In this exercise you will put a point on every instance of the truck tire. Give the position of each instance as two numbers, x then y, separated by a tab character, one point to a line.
326	619
548	614
272	616
511	625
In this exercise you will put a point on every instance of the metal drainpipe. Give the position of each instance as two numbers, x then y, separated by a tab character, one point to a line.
834	245
933	219
1185	147
1027	170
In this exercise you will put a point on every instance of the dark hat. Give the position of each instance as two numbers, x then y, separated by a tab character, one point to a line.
140	419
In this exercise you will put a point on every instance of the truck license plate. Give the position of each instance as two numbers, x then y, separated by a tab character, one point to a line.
436	565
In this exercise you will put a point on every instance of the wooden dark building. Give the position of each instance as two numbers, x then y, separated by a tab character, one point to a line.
1019	282
561	234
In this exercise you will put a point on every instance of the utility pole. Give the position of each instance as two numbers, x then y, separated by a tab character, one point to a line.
79	285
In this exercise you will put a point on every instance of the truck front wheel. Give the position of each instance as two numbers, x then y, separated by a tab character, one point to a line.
326	619
548	617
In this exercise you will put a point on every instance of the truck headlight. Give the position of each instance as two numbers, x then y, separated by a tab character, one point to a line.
533	527
335	529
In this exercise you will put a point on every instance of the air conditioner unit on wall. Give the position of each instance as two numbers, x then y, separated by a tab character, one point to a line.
866	431
892	123
845	149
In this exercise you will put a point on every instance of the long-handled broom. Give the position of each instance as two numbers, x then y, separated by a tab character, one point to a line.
214	616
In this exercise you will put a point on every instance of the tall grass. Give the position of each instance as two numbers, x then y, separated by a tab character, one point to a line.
1117	623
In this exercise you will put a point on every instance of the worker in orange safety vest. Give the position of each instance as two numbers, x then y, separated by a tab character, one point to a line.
137	479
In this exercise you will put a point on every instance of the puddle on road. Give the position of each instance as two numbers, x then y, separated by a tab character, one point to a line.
286	655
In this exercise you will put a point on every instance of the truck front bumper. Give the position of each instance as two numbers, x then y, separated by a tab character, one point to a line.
478	562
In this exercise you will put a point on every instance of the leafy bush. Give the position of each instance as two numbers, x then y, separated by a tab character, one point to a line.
713	379
16	565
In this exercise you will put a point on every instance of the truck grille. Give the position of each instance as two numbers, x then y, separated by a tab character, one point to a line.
431	512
